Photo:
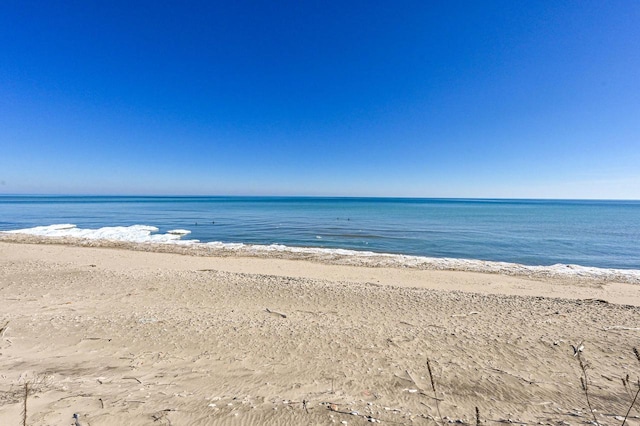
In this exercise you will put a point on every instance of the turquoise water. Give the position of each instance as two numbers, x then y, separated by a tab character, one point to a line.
604	234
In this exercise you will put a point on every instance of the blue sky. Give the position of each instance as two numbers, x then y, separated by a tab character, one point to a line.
423	99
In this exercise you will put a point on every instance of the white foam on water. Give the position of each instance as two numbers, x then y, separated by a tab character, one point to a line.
368	258
473	265
149	234
133	233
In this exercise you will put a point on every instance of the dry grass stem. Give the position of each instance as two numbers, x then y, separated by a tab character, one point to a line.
584	379
435	393
627	387
635	398
24	407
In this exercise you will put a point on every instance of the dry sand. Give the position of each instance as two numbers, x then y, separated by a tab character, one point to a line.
124	337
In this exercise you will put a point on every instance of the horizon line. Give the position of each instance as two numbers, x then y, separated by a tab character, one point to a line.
312	196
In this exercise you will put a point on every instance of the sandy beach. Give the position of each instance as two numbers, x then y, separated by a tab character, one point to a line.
138	337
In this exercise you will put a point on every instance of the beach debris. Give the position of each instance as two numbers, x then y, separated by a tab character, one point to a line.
465	315
435	392
595	300
3	329
76	420
275	313
161	415
97	338
24	407
531	382
577	349
179	232
132	378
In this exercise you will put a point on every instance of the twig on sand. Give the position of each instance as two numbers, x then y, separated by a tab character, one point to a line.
132	378
595	300
620	327
280	314
3	329
513	375
465	315
413	380
430	396
509	421
162	415
403	378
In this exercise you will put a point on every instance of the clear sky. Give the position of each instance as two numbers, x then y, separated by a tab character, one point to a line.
357	98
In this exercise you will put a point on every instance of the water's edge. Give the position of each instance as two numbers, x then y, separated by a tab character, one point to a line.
173	244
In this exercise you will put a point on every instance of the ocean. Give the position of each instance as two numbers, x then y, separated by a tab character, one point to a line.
601	234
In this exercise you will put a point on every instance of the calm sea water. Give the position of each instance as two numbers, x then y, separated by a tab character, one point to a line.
603	234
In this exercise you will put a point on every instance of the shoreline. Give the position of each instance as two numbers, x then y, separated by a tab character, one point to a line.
175	245
122	336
